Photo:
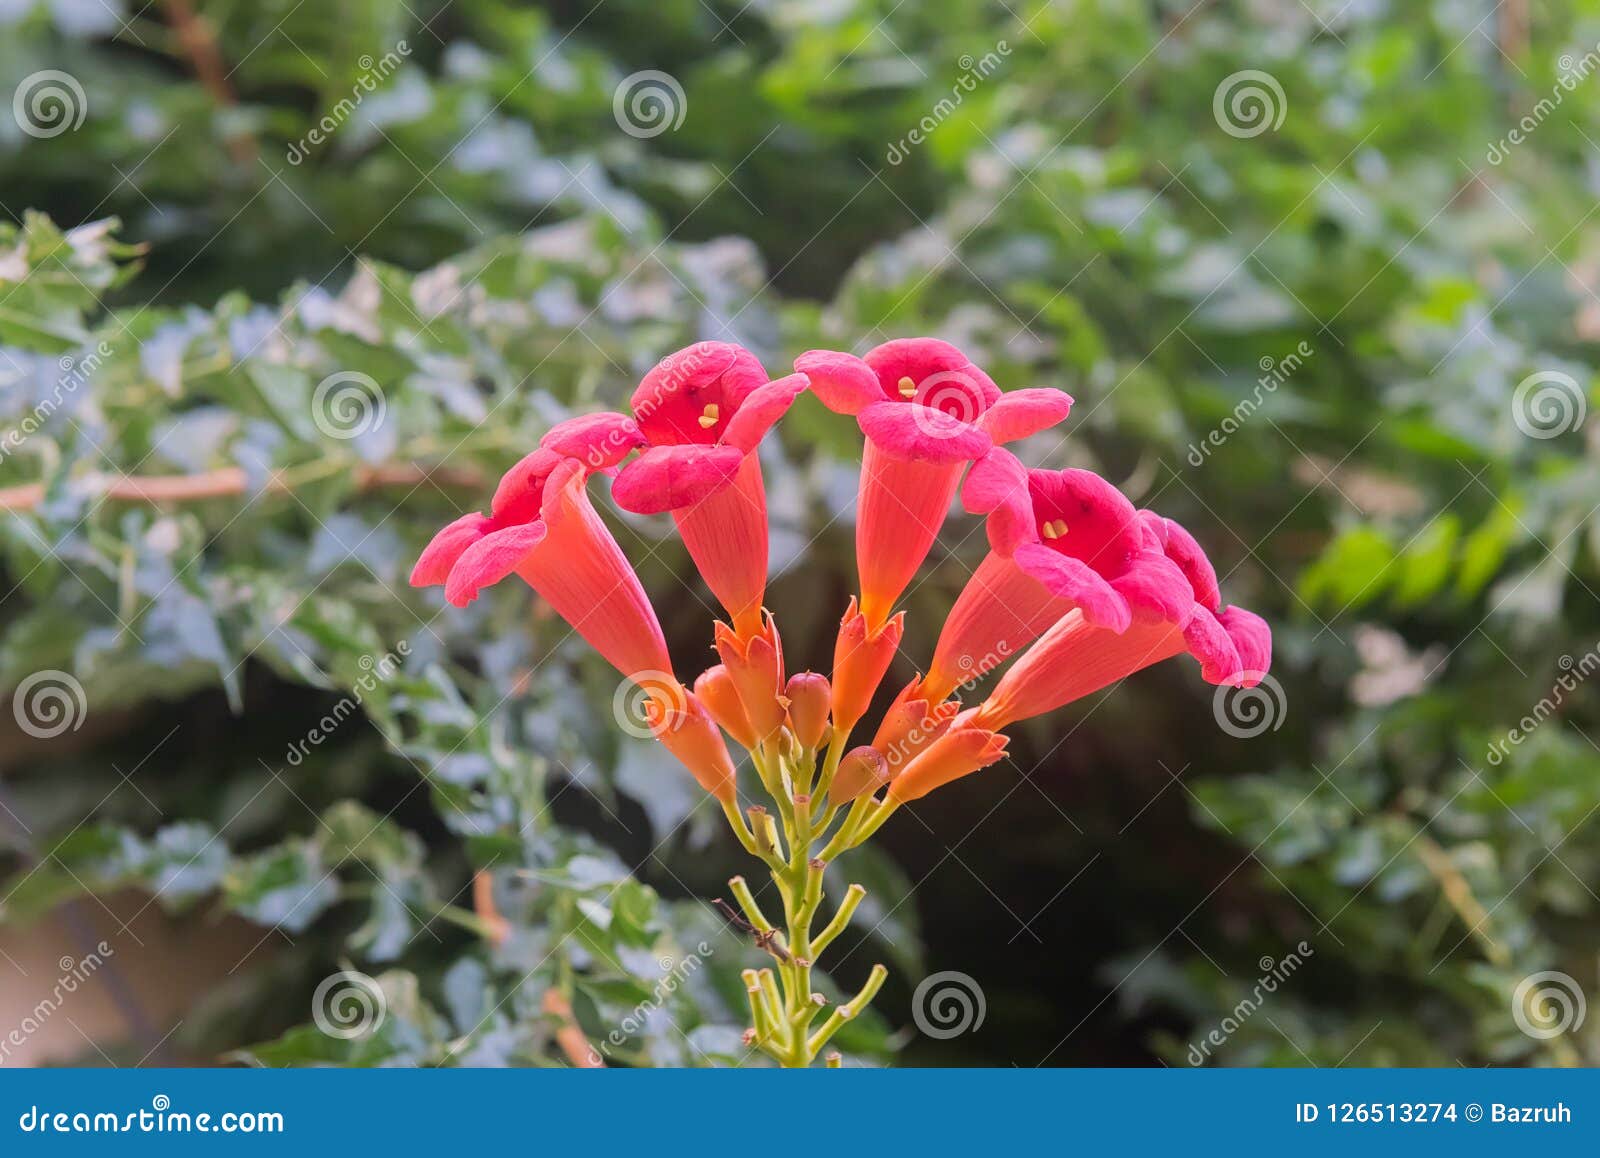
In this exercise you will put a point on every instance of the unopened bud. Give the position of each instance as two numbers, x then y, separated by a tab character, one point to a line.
755	666
862	771
716	690
808	693
861	656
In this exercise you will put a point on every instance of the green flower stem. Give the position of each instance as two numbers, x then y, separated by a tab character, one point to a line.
783	1004
849	1009
841	919
846	836
761	1014
747	902
741	830
830	765
877	814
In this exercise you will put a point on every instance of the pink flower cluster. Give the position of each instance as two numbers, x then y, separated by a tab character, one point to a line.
1078	590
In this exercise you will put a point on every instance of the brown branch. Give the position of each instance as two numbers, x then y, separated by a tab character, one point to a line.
198	41
568	1036
497	927
178	488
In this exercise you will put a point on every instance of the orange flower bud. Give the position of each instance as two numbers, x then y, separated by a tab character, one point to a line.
808	693
862	771
715	689
860	659
755	665
963	749
911	724
686	729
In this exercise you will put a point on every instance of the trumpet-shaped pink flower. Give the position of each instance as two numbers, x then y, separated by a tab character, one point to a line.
542	528
1059	540
1076	656
926	412
698	417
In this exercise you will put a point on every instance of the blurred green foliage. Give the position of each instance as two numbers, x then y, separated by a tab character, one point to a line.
1082	217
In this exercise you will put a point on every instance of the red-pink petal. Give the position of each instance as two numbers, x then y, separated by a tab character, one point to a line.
599	440
844	383
917	433
490	560
936	368
1156	588
1252	638
997	486
517	498
1182	549
1102	527
433	568
762	407
1209	643
665	478
673	398
1020	413
1069	578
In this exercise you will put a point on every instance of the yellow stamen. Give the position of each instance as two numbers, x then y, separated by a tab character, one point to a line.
908	388
708	417
1055	528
